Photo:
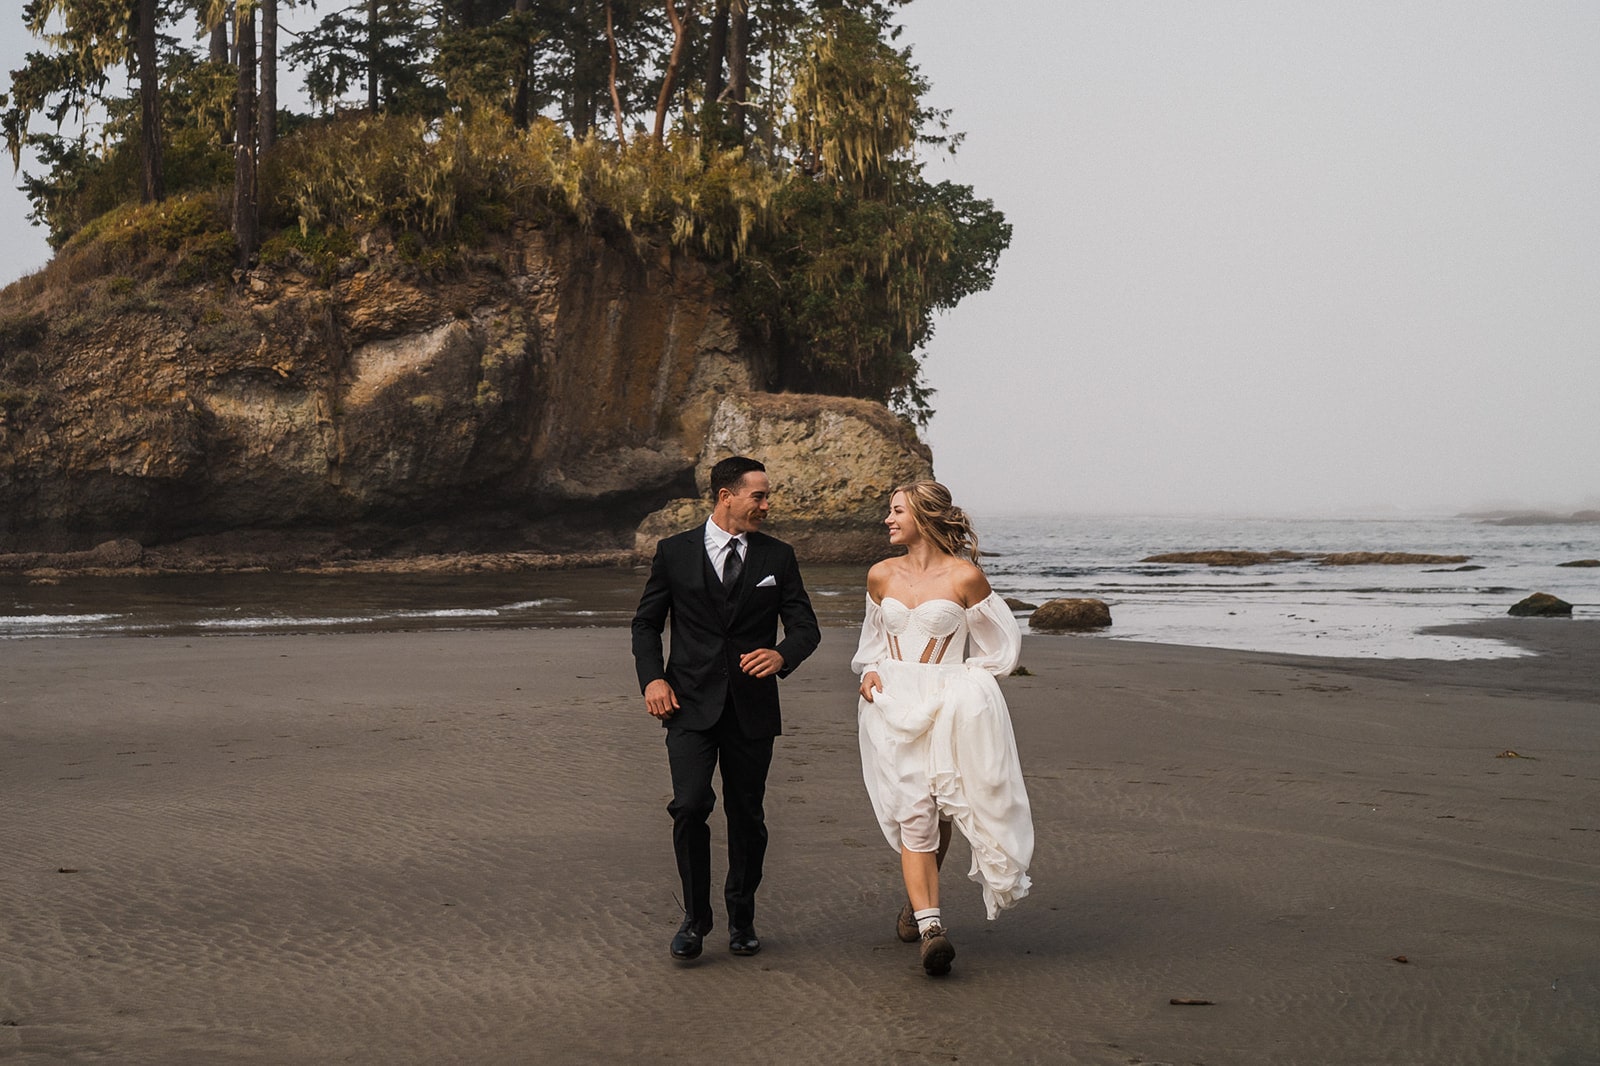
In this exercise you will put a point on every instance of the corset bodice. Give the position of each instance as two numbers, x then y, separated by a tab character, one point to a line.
934	631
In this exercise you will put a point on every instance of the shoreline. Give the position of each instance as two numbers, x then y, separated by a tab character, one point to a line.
430	846
158	562
1564	662
272	581
185	606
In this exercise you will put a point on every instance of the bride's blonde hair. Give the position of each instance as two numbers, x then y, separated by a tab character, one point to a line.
939	519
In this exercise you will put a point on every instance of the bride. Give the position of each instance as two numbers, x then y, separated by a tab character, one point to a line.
936	740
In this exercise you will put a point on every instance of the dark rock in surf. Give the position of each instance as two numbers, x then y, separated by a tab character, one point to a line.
1389	559
1227	557
1071	615
1541	605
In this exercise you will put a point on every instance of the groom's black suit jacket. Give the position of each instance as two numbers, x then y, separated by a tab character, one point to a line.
710	630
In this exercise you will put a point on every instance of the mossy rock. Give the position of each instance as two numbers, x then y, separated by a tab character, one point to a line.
1541	605
1071	615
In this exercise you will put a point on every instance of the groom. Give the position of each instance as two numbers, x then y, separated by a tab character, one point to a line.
725	585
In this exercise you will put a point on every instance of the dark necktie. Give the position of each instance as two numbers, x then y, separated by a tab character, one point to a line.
731	566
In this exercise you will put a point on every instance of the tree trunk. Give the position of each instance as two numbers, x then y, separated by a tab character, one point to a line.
519	107
588	68
245	208
219	53
372	56
152	186
616	96
219	40
717	49
664	100
268	109
738	66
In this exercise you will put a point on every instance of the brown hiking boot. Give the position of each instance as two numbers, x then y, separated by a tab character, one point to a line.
937	951
905	926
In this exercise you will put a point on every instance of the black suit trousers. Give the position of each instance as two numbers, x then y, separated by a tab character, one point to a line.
692	756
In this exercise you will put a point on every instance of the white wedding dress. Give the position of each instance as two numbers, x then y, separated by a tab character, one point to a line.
941	727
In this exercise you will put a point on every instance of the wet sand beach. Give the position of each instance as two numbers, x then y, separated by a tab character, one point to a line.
451	847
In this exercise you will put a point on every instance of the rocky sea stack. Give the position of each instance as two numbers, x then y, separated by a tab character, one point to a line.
496	311
549	392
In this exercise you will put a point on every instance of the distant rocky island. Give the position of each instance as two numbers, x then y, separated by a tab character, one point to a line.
1533	518
1232	557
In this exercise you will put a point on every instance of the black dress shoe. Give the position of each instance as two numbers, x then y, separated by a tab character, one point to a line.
687	942
744	942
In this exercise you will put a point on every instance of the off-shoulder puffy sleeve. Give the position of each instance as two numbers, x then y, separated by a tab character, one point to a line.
995	638
874	644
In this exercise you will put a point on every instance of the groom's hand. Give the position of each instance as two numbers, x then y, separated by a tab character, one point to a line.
659	699
763	662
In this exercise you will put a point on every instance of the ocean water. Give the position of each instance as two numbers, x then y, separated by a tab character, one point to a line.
1302	607
1295	607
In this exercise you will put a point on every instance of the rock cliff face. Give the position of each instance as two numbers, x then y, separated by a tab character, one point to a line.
553	393
833	463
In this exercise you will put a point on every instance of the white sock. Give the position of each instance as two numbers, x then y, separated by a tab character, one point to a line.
927	918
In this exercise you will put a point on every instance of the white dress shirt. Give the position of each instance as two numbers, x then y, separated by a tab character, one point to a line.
717	541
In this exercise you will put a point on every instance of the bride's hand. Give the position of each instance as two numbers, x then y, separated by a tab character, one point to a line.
870	684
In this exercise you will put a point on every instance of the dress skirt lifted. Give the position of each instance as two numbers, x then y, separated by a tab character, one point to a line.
940	728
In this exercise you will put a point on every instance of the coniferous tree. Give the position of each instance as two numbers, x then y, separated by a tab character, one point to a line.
96	37
384	46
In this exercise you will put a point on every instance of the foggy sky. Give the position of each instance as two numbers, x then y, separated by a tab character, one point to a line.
1268	257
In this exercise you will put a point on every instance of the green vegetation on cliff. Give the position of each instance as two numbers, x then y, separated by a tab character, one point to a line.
783	140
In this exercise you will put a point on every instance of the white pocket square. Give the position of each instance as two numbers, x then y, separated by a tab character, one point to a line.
766	582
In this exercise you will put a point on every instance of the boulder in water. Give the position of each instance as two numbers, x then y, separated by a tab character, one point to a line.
1227	557
1065	615
1541	605
1389	559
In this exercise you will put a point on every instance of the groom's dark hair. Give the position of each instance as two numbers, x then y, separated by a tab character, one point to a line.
728	473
